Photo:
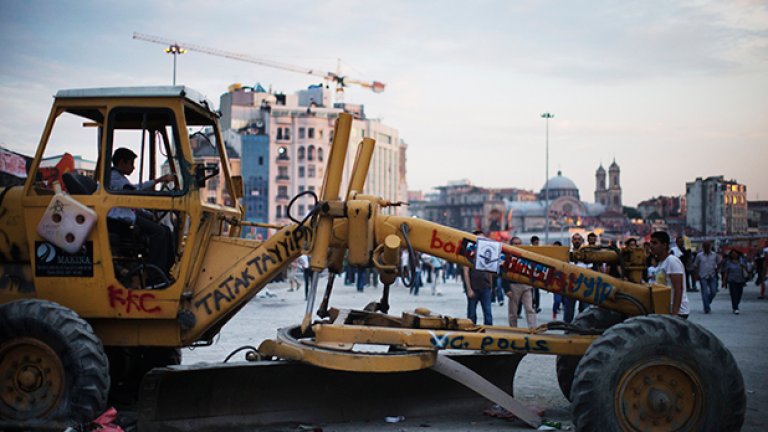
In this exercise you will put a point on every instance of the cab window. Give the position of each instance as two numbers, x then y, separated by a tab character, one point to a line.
151	134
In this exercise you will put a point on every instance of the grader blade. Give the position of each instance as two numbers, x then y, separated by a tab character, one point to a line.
247	395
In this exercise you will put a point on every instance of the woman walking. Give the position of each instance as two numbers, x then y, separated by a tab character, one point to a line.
735	273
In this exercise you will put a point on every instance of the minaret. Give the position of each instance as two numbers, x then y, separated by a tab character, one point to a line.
614	187
601	194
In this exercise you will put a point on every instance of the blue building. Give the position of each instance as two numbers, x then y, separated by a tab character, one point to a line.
255	171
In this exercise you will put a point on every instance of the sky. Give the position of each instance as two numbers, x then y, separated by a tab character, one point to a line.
669	90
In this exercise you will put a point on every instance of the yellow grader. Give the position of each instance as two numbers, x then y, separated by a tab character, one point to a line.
83	311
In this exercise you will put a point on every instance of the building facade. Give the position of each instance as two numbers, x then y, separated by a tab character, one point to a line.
757	212
716	206
255	162
662	207
205	153
299	131
512	211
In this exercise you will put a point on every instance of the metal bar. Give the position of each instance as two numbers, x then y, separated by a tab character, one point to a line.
530	268
481	338
471	379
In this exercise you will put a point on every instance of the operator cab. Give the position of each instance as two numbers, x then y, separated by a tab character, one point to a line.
126	152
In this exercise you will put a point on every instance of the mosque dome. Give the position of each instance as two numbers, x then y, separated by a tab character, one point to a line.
560	186
560	182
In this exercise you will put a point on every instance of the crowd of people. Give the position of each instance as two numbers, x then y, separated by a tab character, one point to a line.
673	265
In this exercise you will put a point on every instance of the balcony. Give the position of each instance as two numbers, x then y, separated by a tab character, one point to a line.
282	177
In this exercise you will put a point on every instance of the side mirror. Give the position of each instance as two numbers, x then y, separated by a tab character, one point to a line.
237	181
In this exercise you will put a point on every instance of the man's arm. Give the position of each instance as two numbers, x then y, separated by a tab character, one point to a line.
149	184
695	267
677	291
465	275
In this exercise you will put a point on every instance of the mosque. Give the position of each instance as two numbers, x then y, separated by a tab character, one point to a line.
566	209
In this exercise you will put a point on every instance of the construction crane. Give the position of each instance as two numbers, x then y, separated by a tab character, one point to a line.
336	77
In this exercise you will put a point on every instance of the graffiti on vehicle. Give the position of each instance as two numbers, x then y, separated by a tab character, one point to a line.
274	256
487	343
447	341
491	343
130	301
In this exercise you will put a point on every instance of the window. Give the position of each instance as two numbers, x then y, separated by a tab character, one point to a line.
311	188
282	191
301	209
311	153
261	160
283	133
300	153
132	128
320	133
301	189
282	153
320	154
302	133
311	133
282	172
311	171
279	211
301	172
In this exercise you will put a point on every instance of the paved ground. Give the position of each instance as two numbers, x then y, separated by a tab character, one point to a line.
535	383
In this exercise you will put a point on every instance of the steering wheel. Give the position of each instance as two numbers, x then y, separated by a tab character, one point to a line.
158	215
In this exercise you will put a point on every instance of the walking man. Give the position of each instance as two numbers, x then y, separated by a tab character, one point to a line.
705	267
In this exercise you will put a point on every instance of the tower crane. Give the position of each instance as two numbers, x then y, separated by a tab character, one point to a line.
336	77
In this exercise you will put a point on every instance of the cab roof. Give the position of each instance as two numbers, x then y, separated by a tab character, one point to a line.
152	91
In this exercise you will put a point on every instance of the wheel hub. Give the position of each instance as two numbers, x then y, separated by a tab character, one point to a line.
29	378
659	395
31	381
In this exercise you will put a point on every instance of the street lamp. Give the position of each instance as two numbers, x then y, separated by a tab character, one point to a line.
546	116
176	50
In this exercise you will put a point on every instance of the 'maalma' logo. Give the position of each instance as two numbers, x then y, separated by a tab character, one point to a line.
46	252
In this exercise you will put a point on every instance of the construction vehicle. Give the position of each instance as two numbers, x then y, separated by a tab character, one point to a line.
82	306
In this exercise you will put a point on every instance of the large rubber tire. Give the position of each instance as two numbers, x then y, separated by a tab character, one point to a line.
594	318
128	365
658	372
54	366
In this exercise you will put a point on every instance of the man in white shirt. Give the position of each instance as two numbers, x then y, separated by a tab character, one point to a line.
670	272
161	248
